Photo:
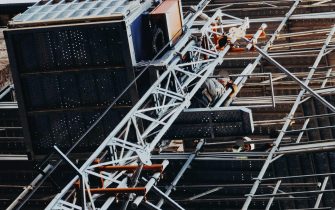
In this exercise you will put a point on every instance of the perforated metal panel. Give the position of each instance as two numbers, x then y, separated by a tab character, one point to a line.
211	123
49	49
65	128
65	77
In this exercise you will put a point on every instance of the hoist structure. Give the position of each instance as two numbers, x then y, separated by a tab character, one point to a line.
103	86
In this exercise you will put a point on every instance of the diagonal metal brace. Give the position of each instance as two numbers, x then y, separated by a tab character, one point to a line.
79	172
68	160
182	171
288	73
169	200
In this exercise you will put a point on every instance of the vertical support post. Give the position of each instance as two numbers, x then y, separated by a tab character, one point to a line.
167	198
133	183
181	172
272	91
323	187
149	185
326	79
272	198
82	193
302	131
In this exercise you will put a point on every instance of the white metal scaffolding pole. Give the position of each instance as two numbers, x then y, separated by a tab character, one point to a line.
250	67
287	123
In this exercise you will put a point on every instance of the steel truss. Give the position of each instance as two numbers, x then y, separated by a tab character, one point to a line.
170	94
149	119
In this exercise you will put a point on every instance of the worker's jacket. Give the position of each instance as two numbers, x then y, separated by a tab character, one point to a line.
214	87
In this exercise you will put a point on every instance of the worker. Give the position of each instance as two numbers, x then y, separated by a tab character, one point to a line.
243	145
213	89
220	39
229	84
238	147
248	147
222	42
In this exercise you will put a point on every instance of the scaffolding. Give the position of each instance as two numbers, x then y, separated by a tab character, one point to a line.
170	101
119	162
